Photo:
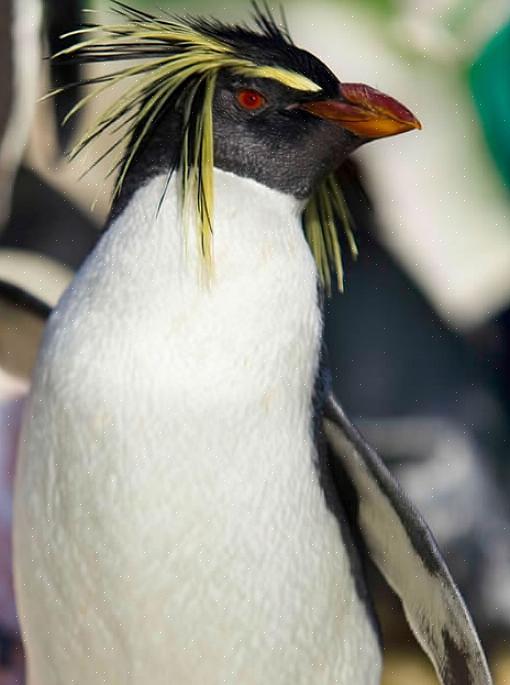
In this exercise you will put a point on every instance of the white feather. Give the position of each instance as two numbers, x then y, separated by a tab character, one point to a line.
170	526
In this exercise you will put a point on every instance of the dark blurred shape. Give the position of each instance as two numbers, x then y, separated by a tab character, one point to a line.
61	18
431	407
45	221
46	225
491	341
12	662
22	319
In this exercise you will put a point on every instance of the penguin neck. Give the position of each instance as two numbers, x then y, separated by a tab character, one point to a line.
255	228
256	324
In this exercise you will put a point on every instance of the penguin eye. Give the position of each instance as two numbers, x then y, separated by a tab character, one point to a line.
250	99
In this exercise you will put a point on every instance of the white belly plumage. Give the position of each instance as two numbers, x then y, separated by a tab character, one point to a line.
169	523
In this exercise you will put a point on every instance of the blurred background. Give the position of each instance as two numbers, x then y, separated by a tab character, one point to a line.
419	342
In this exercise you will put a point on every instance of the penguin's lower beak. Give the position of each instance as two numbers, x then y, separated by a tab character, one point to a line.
364	111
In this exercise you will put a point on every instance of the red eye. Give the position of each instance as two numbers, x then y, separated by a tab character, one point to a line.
250	99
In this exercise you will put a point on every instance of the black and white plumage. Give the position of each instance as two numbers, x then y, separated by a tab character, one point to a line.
186	479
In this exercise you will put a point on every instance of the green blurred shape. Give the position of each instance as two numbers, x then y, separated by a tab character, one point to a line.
388	7
489	79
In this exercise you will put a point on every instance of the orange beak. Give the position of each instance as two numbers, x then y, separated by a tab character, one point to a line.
365	111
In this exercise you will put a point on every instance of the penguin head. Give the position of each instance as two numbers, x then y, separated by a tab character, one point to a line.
285	121
246	100
290	140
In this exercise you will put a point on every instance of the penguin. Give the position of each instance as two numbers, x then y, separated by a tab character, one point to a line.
191	501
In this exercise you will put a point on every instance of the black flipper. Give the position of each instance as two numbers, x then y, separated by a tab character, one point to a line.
402	547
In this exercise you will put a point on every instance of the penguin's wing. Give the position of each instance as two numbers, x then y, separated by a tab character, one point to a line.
401	545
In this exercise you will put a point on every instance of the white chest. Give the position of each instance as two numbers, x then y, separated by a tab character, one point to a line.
168	468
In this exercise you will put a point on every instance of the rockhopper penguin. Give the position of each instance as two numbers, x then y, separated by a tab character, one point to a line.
188	487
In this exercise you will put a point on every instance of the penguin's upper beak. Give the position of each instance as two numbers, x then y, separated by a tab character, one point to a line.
365	111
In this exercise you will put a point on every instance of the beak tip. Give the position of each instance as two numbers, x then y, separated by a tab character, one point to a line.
389	116
366	112
416	124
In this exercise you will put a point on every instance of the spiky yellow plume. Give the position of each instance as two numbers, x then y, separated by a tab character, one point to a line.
324	210
180	58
